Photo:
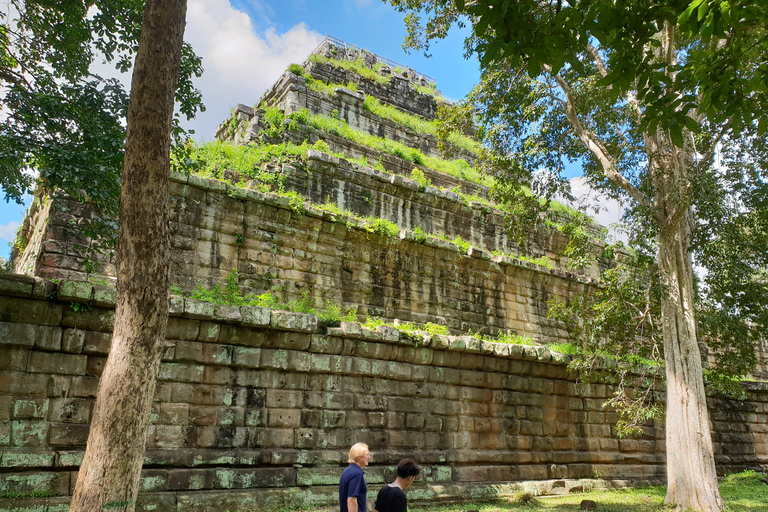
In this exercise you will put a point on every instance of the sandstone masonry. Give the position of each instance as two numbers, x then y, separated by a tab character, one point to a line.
257	408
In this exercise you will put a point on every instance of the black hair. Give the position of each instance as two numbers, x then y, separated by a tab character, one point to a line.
406	468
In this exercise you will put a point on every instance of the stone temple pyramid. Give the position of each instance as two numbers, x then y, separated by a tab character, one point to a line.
350	201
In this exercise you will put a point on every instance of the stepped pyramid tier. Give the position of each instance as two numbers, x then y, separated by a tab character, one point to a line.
353	203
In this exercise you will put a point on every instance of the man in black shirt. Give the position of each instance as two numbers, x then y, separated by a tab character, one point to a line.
392	498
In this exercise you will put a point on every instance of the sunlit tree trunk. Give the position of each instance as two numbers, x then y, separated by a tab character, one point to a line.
109	475
691	474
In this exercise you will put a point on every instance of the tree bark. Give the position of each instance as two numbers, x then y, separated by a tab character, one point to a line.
109	475
691	475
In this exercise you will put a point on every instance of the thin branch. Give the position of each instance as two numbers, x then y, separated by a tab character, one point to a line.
598	61
596	146
719	137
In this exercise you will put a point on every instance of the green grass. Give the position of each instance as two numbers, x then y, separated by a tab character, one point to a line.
356	65
417	123
456	168
742	492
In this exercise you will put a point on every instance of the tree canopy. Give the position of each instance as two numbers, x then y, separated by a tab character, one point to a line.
61	120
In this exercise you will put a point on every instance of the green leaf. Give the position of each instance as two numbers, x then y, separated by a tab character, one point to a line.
691	124
534	69
762	125
703	10
676	134
460	4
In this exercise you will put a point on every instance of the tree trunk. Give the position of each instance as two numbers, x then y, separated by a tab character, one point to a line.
109	475
691	476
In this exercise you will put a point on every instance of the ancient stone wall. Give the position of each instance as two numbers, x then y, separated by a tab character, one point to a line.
217	228
257	408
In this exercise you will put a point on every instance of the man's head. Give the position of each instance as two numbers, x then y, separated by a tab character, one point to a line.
407	471
359	454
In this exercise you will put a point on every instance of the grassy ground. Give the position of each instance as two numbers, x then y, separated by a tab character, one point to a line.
743	492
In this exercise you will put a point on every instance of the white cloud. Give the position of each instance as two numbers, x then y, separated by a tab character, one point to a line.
609	210
8	231
239	64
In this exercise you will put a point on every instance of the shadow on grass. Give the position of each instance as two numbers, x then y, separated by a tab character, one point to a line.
742	492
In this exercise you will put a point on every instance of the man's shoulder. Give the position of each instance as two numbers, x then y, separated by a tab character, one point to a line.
391	491
352	470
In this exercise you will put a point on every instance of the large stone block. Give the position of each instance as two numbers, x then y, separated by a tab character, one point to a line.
19	311
298	322
17	334
56	362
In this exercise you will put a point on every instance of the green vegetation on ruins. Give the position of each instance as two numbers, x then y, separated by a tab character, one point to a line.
212	159
328	312
374	106
357	66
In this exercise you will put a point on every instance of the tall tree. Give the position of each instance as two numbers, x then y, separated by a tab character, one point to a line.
109	474
643	94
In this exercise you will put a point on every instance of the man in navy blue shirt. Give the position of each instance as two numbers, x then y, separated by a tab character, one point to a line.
352	487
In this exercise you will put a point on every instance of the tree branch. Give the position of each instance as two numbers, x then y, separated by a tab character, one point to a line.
598	61
596	146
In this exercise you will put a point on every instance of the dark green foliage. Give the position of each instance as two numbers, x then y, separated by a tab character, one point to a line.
618	334
64	121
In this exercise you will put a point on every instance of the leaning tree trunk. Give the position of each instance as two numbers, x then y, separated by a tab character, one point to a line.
109	475
691	475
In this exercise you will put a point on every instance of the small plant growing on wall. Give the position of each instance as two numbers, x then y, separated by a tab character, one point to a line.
419	176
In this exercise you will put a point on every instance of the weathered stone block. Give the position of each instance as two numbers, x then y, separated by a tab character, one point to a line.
37	312
97	343
84	387
56	482
48	337
176	372
325	344
68	435
73	340
254	316
55	362
329	400
287	340
182	329
198	310
202	414
70	410
227	314
30	409
298	322
26	459
284	399
247	356
209	332
104	296
17	334
96	319
239	335
174	414
74	291
14	359
284	418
